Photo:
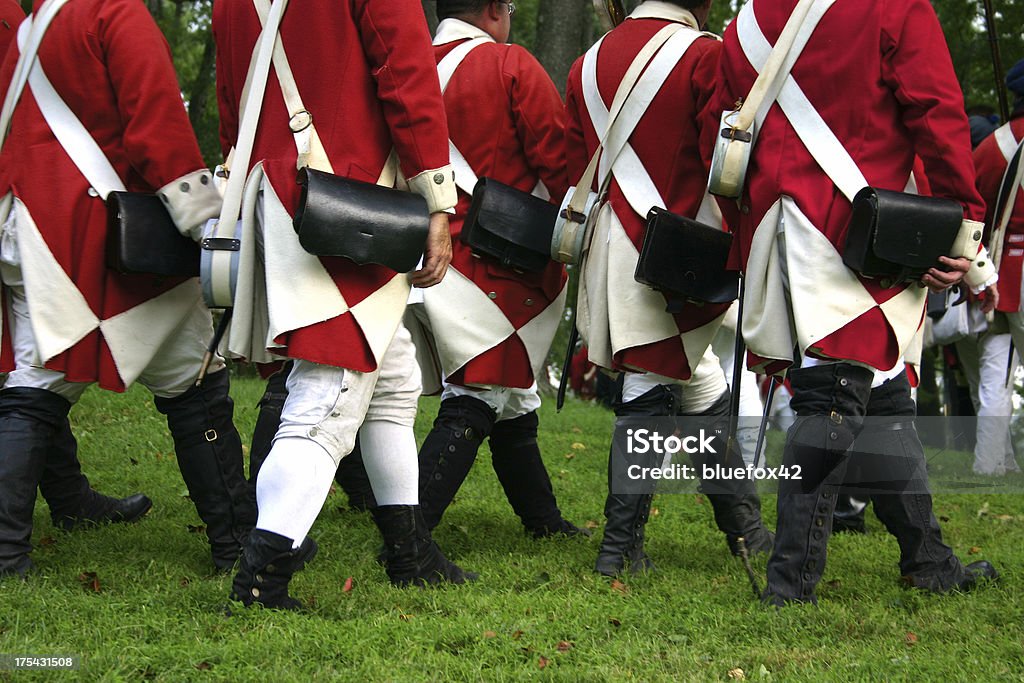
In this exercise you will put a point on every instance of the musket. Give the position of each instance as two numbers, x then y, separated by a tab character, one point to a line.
611	12
997	62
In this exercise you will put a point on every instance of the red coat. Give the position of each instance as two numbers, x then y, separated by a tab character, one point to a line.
11	16
111	65
880	76
365	72
668	142
991	165
507	119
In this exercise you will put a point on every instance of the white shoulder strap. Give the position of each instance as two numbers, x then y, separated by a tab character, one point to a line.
828	151
1006	141
72	135
465	177
1009	188
35	30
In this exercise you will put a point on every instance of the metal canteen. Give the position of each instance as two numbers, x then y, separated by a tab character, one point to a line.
570	229
218	265
730	159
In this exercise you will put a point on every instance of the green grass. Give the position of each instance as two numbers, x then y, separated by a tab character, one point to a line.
538	612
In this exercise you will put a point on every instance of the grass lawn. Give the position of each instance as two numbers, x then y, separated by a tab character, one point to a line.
538	612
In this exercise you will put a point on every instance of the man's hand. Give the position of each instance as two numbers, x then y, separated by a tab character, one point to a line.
991	299
437	254
939	281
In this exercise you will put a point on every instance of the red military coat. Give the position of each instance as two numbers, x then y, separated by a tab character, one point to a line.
11	16
365	71
880	75
507	119
667	140
111	65
991	163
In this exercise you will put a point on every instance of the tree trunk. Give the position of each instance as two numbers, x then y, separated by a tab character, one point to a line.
202	84
563	27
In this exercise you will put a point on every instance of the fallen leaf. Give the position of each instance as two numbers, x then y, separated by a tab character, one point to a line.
196	528
619	586
405	617
737	674
564	646
614	622
911	638
591	524
1004	518
490	634
347	587
943	518
542	662
516	634
570	456
655	512
983	510
46	540
834	583
90	581
204	666
577	446
577	430
133	461
699	499
974	550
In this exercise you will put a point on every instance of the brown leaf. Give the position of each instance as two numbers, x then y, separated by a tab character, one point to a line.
619	586
570	456
614	622
347	588
133	461
974	550
699	499
516	634
184	582
911	638
577	446
943	518
90	581
591	524
204	666
542	662
563	646
405	617
655	512
1004	518
197	528
834	583
46	541
490	634
737	674
577	430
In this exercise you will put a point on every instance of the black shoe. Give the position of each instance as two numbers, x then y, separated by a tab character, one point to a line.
562	527
966	580
101	509
412	558
760	541
622	545
267	564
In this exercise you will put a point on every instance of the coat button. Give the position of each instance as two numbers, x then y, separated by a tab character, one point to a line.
492	295
93	192
204	179
439	178
185	187
314	431
981	264
255	592
745	209
976	236
528	302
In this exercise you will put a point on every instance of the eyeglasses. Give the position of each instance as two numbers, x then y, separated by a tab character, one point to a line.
511	6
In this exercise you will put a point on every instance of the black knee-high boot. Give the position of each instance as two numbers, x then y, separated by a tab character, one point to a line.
735	502
73	502
29	419
411	557
830	402
626	514
893	460
448	452
209	453
266	567
517	461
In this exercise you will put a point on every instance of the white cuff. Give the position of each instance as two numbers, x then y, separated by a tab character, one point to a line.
968	240
437	186
191	200
982	273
